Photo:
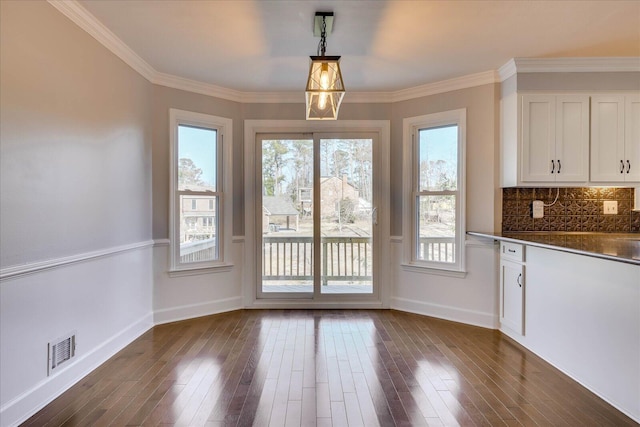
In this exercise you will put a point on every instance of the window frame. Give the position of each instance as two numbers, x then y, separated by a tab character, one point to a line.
223	224
411	128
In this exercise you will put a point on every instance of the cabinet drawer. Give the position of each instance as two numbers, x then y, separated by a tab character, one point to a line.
512	251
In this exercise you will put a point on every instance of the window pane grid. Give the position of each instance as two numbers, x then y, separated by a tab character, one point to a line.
436	219
198	227
197	158
438	158
197	193
436	195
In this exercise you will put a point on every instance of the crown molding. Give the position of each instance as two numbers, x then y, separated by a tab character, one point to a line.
569	65
89	23
194	86
507	70
464	82
272	97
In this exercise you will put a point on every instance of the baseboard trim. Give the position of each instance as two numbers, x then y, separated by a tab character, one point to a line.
469	317
184	312
28	403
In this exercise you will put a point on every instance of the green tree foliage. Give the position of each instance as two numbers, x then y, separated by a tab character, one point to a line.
347	211
188	173
437	175
273	162
302	167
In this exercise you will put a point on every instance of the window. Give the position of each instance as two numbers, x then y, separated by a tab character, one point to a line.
434	218
198	182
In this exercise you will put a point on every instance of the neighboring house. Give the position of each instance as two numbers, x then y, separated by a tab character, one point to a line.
198	217
335	189
275	210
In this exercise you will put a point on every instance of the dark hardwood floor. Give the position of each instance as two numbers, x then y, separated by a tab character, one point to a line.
325	367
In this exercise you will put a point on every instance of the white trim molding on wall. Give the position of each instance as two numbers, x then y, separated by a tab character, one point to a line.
446	312
568	65
36	267
200	309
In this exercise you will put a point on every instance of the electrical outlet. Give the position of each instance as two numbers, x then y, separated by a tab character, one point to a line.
610	207
537	209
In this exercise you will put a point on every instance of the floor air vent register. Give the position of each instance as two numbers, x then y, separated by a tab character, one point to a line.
60	351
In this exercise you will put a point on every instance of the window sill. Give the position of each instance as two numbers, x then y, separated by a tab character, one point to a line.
424	269
221	268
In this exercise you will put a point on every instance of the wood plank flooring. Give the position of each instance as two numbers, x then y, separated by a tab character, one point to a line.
325	368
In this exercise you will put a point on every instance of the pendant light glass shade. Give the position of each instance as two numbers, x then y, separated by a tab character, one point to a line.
325	88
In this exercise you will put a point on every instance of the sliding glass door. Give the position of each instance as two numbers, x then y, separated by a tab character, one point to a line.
316	215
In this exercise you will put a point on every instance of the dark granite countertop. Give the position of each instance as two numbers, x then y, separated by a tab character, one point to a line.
623	247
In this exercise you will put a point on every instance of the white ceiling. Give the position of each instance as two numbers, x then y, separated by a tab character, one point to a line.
386	46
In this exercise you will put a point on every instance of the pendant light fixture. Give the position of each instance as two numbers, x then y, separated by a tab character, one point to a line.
325	88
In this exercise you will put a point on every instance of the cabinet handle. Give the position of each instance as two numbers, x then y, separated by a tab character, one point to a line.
518	279
621	166
553	166
559	166
628	166
513	251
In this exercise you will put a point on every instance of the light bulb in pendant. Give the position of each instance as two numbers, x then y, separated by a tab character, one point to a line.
322	101
324	76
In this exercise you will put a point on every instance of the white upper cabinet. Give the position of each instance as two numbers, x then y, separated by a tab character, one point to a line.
632	136
554	139
615	138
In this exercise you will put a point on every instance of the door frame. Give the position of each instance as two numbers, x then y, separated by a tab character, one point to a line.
380	297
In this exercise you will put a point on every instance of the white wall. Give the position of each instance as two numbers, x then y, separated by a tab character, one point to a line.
471	299
184	295
75	208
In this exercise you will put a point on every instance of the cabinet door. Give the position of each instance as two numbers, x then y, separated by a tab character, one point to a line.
572	138
538	138
632	138
512	296
607	138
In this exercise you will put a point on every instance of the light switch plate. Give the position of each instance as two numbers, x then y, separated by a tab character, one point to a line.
537	209
610	207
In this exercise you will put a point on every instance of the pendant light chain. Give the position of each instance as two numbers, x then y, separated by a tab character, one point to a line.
322	46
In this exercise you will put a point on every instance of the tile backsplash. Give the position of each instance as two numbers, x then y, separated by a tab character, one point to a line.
577	209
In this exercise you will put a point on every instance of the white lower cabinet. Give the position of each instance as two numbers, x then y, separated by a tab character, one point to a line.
512	287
